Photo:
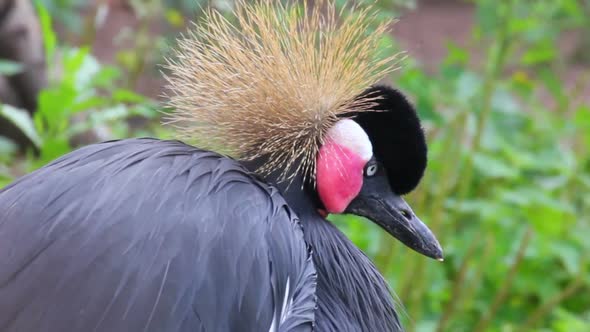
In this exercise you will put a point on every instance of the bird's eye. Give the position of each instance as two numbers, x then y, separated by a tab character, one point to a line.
371	170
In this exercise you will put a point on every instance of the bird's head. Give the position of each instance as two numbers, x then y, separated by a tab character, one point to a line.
285	87
369	160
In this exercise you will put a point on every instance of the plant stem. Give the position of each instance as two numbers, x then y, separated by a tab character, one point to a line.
141	48
546	307
483	323
415	277
385	253
457	287
497	55
471	289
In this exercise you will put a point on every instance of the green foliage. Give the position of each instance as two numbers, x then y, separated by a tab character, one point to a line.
82	95
83	86
9	68
507	189
22	120
49	36
65	11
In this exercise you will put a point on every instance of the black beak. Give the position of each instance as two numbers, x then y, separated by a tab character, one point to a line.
377	202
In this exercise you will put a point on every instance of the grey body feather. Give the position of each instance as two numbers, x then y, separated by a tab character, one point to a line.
148	235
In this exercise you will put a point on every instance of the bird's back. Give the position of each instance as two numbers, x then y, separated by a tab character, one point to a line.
149	235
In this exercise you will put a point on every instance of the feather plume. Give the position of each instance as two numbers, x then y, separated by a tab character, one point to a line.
273	80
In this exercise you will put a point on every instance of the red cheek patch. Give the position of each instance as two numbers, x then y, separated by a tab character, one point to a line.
339	176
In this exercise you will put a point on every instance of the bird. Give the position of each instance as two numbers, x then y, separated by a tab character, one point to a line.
288	123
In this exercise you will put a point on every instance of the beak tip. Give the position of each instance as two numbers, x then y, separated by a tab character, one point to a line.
440	256
437	253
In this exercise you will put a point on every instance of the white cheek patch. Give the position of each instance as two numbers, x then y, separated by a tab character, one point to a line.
350	135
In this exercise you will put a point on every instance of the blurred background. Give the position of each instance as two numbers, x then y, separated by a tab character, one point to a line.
503	87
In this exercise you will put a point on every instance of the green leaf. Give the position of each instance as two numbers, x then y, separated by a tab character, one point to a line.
539	54
493	167
174	18
80	68
22	120
582	117
106	76
7	150
503	101
88	103
55	105
487	16
468	84
569	322
457	55
117	112
53	148
569	255
49	36
10	68
582	120
127	96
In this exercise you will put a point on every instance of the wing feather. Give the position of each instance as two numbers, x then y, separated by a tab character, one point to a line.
149	235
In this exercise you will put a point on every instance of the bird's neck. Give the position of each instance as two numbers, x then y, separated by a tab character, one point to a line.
352	295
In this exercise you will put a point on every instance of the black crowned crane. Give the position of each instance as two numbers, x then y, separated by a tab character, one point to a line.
155	235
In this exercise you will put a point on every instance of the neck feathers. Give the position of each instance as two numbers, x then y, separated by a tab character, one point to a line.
352	295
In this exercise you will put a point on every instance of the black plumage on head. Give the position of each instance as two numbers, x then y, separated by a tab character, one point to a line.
397	137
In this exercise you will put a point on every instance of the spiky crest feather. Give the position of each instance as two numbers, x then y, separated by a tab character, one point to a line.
272	83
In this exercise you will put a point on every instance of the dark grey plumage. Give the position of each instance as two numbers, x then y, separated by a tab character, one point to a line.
351	293
148	235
